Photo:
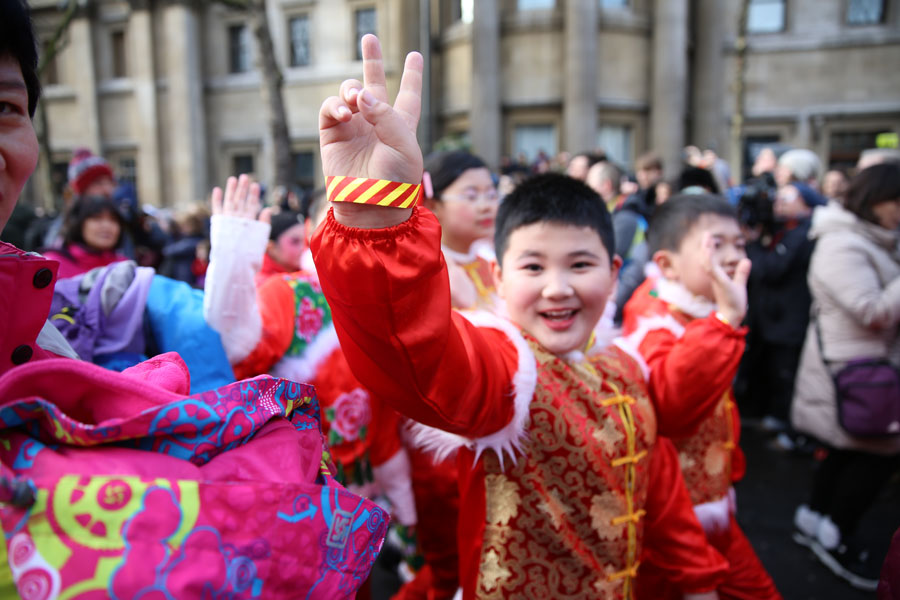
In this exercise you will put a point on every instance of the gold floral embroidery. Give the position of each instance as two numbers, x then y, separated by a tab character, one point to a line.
609	435
605	585
714	461
686	462
556	509
603	508
502	497
492	572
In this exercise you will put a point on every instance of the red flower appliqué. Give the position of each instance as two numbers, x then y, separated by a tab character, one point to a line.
309	320
351	415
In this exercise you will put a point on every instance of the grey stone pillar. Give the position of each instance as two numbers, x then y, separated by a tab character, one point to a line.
485	121
668	96
187	181
85	84
143	77
580	93
709	112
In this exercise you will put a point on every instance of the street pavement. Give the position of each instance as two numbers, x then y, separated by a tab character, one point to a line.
776	482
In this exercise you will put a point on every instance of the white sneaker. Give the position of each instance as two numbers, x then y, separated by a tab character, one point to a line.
850	565
806	525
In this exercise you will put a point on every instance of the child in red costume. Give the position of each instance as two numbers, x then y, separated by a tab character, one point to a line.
686	325
564	484
284	326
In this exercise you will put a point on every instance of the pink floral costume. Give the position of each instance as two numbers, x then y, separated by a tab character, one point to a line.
119	485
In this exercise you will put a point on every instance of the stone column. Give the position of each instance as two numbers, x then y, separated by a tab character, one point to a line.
668	95
188	178
580	92
85	84
485	121
709	112
143	78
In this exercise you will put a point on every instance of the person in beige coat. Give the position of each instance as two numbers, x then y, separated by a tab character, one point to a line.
854	278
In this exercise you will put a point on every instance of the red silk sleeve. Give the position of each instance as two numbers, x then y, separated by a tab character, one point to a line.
675	548
688	375
389	295
276	307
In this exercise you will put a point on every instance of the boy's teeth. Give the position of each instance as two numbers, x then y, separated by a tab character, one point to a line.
558	314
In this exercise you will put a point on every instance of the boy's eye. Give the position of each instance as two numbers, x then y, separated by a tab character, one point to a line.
582	264
533	267
7	108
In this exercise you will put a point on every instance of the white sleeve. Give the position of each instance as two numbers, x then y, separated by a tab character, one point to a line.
395	479
237	247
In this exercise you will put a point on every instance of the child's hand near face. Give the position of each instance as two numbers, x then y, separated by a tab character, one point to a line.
361	135
729	293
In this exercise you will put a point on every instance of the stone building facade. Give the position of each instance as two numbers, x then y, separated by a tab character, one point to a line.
168	90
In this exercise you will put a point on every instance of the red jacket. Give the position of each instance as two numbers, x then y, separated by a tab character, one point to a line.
76	259
547	509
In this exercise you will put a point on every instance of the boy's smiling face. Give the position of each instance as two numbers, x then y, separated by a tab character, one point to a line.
688	265
556	280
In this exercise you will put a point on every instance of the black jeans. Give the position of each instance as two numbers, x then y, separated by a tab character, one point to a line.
847	483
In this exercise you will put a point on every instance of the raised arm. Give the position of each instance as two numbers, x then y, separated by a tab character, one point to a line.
384	275
237	244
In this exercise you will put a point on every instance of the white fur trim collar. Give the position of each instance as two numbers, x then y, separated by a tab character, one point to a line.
303	368
508	439
646	325
675	293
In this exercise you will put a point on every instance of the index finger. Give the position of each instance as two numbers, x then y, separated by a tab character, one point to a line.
373	67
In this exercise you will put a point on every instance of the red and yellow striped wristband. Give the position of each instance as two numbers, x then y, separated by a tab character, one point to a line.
379	192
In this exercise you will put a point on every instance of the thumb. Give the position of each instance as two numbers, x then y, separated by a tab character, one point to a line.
389	127
742	272
265	216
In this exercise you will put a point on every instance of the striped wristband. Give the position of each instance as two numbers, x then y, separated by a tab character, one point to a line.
379	192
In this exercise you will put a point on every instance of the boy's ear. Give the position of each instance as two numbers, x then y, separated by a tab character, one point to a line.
615	265
497	272
270	247
664	260
434	206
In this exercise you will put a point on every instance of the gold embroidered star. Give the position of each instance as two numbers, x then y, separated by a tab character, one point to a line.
502	499
492	573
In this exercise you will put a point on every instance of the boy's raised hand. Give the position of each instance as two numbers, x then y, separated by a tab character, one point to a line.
240	199
362	135
729	293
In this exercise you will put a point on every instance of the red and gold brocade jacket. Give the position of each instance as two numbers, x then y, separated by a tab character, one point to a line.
564	487
693	358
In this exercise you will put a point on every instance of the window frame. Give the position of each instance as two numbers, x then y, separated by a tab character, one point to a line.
882	19
290	38
244	29
357	36
784	17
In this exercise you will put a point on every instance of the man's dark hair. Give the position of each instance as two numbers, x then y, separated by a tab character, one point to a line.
446	167
871	186
592	157
557	199
699	177
673	221
17	41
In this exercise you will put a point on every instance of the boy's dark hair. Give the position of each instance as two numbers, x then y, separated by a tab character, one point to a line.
673	220
649	161
446	167
17	41
283	221
557	199
699	177
871	186
84	208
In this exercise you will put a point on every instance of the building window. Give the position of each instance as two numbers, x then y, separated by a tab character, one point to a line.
865	12
467	11
613	4
300	41
765	16
364	19
846	146
119	65
615	141
534	141
304	169
126	170
535	4
753	145
241	164
238	49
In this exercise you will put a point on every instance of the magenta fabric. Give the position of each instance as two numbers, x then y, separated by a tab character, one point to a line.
140	491
24	304
81	260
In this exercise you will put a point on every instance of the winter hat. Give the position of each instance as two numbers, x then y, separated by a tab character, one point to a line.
86	167
810	197
283	221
